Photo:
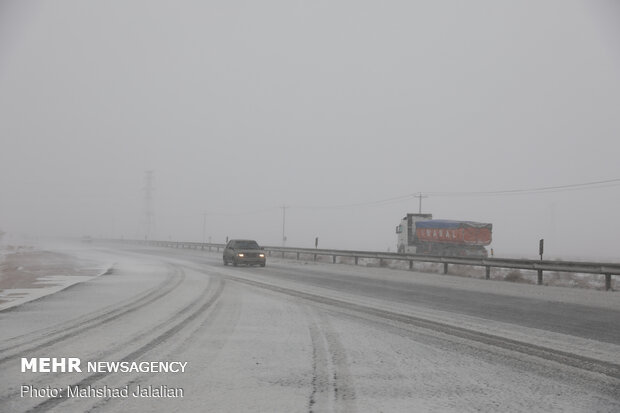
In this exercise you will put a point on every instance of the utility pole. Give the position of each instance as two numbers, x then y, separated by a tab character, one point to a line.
204	227
420	196
283	225
148	205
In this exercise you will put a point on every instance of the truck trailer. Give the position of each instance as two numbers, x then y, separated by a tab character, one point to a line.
421	234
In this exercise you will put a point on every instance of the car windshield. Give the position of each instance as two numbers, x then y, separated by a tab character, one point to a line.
248	245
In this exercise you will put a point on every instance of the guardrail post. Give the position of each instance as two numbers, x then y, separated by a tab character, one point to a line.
411	264
298	256
445	267
282	254
334	259
540	277
356	260
607	282
314	257
487	276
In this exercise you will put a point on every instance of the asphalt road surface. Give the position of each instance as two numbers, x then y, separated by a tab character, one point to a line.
301	336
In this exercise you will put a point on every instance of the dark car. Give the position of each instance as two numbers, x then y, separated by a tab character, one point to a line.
244	251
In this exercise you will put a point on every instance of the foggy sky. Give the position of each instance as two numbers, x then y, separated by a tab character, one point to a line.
242	107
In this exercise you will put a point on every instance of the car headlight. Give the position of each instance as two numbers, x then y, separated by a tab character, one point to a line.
261	255
240	255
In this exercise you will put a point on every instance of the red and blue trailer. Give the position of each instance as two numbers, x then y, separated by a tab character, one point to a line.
420	234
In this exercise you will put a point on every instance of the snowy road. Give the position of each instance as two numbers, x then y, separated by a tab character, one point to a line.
304	337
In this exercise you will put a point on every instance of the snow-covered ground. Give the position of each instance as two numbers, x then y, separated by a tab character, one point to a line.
312	337
29	273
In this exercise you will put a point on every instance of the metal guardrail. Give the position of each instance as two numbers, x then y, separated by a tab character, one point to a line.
606	269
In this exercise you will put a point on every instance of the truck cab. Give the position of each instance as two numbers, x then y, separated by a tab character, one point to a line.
406	234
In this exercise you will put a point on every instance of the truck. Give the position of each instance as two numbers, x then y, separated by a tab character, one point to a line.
421	234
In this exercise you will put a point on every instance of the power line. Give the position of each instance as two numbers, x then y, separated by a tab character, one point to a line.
560	188
386	201
360	204
236	214
315	207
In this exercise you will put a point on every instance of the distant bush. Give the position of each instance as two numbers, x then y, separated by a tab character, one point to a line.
514	276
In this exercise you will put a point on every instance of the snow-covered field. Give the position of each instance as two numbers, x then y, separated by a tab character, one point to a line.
312	337
29	273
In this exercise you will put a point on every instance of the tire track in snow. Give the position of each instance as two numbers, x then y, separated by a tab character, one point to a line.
193	310
220	320
569	359
332	388
35	341
145	343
